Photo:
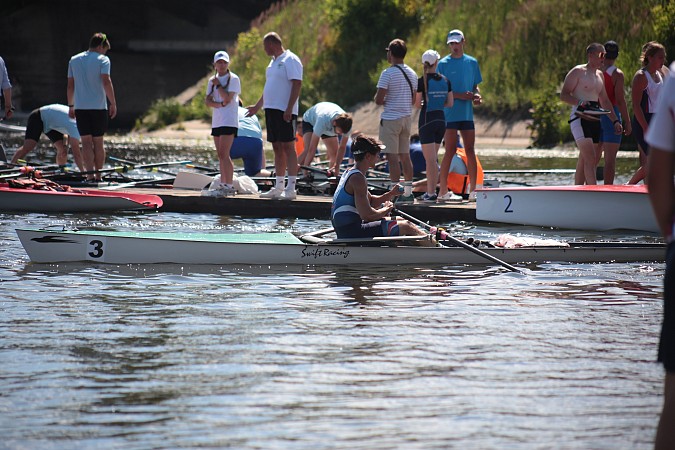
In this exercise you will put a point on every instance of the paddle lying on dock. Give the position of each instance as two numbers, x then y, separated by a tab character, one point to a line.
456	241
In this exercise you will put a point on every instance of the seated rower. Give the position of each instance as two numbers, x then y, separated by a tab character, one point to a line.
356	212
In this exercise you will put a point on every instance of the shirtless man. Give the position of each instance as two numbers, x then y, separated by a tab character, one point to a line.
583	84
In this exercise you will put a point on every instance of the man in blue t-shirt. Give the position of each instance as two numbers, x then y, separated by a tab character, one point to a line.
89	85
464	75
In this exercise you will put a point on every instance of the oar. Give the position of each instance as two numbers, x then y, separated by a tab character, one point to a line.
458	242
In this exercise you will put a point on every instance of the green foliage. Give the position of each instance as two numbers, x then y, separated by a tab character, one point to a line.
549	121
524	47
167	111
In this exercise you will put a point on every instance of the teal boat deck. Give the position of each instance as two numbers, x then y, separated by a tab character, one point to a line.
230	238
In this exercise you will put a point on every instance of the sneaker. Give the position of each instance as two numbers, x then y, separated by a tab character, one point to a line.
288	195
405	199
224	190
449	197
472	196
429	198
274	193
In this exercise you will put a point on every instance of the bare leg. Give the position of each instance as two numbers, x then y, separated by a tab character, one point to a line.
450	150
305	159
27	147
279	158
88	155
331	144
99	154
610	150
77	154
61	152
587	159
407	166
430	152
291	159
223	147
469	140
394	167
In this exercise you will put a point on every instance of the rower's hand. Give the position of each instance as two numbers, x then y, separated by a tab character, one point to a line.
387	207
395	190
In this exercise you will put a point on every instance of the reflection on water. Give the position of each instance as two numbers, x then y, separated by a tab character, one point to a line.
180	356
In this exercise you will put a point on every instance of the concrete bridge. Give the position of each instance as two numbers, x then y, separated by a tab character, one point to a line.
159	48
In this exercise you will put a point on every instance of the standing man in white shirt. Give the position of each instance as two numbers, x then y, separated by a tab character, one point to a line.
89	85
396	92
280	101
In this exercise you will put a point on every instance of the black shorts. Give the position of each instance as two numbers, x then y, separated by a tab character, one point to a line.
431	127
278	130
639	133
667	342
92	122
35	126
224	131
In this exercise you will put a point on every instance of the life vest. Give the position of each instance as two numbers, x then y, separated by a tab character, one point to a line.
299	144
459	183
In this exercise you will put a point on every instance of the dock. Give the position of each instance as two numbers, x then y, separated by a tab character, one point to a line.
304	207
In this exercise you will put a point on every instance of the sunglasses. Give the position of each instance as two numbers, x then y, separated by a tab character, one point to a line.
601	55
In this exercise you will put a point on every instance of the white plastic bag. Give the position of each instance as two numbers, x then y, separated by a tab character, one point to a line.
244	184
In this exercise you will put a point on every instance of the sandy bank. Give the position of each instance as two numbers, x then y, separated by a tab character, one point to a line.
489	133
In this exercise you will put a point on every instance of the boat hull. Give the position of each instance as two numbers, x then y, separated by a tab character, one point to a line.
82	200
47	246
601	207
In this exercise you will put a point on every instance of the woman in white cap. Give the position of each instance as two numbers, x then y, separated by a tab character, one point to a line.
222	94
434	93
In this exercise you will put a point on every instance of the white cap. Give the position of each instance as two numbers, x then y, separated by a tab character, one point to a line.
221	55
455	36
430	57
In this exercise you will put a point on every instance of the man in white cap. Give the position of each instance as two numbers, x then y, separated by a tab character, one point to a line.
464	75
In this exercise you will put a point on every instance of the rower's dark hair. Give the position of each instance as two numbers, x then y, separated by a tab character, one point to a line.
99	39
363	144
344	121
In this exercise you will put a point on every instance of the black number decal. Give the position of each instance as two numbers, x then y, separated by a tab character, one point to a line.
509	200
98	249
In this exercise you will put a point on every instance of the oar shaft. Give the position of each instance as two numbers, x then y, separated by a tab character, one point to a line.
458	242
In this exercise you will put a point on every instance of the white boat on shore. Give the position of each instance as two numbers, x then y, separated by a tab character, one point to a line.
115	247
587	207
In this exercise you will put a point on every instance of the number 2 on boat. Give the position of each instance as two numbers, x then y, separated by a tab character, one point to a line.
509	201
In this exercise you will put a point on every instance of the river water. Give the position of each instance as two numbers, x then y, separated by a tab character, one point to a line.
170	356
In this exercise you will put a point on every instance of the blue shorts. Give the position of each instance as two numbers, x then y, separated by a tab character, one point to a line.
249	149
461	125
607	125
377	228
